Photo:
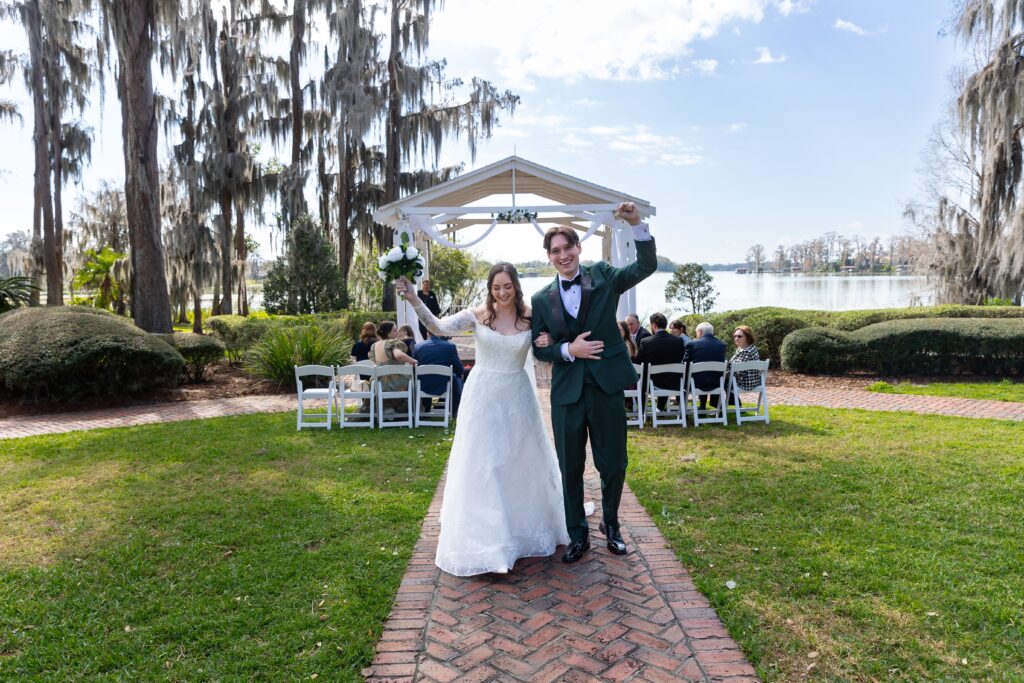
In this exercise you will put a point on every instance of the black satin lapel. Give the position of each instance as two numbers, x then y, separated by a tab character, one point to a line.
558	313
586	286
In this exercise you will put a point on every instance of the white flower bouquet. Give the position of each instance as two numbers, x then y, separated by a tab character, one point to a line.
403	260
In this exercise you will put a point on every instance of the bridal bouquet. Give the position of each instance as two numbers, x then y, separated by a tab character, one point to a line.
403	260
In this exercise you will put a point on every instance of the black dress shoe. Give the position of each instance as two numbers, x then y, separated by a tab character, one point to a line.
614	538
574	551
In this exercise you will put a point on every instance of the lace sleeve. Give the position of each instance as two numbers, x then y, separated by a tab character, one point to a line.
463	321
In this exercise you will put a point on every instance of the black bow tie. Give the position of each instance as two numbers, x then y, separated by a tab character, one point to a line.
566	284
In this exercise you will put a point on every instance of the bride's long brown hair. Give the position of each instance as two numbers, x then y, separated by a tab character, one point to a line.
509	270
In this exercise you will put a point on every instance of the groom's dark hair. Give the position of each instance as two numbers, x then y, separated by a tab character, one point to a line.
660	321
565	231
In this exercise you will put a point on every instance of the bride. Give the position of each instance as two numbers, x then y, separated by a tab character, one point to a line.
503	495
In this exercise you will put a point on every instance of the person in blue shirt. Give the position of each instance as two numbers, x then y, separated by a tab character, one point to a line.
436	350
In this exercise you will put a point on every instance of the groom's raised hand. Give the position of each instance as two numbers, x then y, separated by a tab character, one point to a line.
588	350
627	212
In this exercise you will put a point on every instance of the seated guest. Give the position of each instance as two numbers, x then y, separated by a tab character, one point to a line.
367	336
658	349
389	350
408	337
636	333
705	348
626	337
747	380
677	329
439	351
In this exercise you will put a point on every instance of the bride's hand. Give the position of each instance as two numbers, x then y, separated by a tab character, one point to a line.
543	340
406	289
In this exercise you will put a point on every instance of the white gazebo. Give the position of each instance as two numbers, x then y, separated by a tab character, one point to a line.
439	213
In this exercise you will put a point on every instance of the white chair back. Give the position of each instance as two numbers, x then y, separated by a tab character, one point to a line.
756	413
715	415
395	419
328	394
672	415
634	400
431	418
357	382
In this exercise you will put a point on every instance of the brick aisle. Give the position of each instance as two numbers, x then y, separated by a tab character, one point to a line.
636	617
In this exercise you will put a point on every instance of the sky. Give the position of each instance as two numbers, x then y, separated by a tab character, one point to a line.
741	121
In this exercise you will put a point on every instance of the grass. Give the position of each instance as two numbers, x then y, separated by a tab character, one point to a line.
1003	390
226	549
866	546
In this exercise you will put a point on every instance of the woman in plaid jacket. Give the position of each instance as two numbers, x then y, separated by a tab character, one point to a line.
743	337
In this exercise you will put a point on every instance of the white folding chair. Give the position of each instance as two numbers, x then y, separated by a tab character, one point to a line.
328	394
672	415
635	415
394	418
758	413
717	415
432	418
357	382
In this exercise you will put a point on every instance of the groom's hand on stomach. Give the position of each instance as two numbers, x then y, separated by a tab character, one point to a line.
587	350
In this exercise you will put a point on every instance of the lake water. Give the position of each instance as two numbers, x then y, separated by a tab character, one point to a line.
822	292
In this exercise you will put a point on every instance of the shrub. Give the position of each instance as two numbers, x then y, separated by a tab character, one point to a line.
238	333
198	350
72	352
938	346
275	356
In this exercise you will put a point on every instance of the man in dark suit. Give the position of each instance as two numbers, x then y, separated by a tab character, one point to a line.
706	347
440	351
659	348
636	333
429	300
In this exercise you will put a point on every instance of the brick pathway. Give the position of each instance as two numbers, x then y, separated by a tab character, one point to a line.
636	617
869	400
130	416
194	410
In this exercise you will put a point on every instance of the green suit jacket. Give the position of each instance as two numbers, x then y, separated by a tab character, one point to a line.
602	285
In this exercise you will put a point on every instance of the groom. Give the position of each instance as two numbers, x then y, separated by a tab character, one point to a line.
591	369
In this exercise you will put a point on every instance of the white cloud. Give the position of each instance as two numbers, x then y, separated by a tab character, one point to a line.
844	25
736	127
573	140
611	40
586	102
646	146
706	66
787	7
765	57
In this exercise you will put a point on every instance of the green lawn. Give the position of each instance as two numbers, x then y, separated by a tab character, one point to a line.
1003	390
226	549
865	546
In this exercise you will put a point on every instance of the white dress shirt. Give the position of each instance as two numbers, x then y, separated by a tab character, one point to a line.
573	297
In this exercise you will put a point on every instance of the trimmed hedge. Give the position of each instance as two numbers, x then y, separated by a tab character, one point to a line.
73	352
771	324
198	350
936	346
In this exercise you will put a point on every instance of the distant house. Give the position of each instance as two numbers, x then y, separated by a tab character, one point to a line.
742	271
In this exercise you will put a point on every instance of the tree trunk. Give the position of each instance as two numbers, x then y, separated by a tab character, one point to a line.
241	257
151	306
225	253
43	198
393	153
57	143
346	243
197	313
295	57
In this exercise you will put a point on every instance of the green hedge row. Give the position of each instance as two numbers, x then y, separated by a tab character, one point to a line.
240	334
72	352
928	346
772	324
199	351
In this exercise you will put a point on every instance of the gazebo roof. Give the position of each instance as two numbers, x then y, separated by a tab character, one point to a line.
511	176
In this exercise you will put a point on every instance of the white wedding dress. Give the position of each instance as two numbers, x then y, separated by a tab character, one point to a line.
503	493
